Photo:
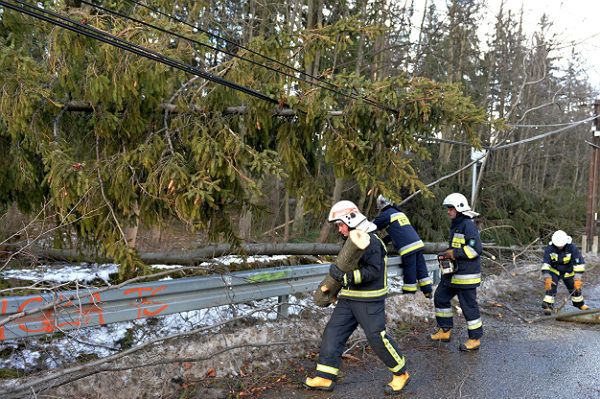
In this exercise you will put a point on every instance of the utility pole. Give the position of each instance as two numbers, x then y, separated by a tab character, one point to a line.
476	155
594	175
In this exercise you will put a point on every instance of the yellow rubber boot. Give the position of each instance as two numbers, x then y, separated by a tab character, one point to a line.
441	335
470	345
584	307
319	384
397	383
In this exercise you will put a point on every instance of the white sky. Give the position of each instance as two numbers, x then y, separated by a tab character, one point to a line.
575	21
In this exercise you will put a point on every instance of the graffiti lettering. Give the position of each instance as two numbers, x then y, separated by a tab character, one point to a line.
47	321
146	302
46	325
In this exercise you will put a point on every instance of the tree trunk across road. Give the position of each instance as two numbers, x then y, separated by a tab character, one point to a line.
194	256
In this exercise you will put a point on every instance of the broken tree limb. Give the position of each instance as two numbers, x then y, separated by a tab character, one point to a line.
347	261
581	316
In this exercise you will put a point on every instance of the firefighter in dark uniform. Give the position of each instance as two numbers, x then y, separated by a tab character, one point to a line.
408	244
562	260
361	301
464	251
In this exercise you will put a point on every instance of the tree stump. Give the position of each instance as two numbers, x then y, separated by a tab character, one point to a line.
347	261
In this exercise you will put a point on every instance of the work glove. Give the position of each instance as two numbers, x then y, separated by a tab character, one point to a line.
578	284
548	283
338	275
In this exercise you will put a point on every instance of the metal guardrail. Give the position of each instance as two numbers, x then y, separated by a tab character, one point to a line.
88	308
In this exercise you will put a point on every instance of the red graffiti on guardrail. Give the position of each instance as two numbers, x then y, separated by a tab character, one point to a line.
77	312
145	301
48	320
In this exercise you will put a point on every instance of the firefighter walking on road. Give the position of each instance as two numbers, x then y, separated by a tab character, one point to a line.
408	244
361	301
463	276
562	260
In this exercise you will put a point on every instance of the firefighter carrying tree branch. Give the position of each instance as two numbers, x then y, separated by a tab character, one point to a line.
361	302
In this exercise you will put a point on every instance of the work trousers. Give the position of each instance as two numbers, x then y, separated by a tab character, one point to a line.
467	297
414	268
576	297
347	315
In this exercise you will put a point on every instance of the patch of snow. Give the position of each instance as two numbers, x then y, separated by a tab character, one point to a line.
236	259
87	272
166	267
82	272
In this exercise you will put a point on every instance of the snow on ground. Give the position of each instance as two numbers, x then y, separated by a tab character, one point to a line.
87	272
63	273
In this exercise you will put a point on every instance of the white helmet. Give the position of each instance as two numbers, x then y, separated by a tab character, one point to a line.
457	201
382	202
460	203
560	239
347	212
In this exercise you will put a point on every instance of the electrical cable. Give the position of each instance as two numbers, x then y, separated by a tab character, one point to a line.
335	90
502	146
541	136
144	52
199	29
99	35
333	87
539	126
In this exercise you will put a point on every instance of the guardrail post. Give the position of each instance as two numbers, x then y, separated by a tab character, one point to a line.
436	276
283	306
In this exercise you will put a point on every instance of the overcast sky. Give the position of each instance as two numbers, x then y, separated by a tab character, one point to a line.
575	21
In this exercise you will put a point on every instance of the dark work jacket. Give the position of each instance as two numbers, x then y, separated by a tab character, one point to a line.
403	234
466	245
567	260
370	278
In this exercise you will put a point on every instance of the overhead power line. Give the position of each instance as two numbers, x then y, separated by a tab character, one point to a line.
543	135
326	86
74	26
567	126
233	43
540	126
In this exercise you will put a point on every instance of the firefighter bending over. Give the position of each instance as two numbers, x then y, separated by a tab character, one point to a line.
562	260
408	244
463	275
361	301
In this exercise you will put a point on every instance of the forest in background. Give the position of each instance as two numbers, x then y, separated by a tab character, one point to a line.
96	142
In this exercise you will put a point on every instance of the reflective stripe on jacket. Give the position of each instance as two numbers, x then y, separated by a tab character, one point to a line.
370	278
403	234
567	260
466	244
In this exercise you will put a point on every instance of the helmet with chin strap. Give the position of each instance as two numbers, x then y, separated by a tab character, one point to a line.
457	201
346	212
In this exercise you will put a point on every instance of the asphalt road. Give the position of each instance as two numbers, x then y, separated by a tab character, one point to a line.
549	359
546	360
